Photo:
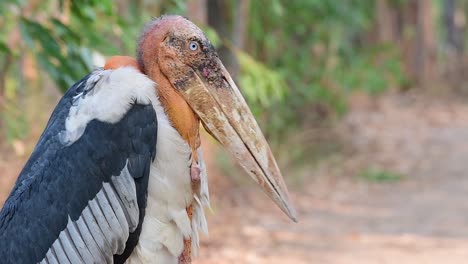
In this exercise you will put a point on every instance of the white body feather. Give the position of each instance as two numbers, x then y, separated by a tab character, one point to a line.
166	223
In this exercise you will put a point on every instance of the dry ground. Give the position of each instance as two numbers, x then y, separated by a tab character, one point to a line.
343	219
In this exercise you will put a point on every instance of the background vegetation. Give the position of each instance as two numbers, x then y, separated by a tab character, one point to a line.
297	61
363	101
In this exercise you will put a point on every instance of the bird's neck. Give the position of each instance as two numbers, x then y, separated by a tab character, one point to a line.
187	124
178	111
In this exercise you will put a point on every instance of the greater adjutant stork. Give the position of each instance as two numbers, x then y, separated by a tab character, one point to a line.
118	175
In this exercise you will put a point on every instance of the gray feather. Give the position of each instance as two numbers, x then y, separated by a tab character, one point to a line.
60	253
97	234
103	227
83	250
119	214
124	186
89	240
69	248
116	232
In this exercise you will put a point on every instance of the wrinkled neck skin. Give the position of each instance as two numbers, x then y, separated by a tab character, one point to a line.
178	111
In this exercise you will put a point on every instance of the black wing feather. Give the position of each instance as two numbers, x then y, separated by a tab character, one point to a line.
58	181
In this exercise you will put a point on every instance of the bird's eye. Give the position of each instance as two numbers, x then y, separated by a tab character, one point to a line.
193	46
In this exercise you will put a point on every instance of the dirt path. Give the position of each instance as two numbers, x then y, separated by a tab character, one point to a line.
419	219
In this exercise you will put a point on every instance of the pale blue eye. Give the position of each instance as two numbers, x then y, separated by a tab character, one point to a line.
193	45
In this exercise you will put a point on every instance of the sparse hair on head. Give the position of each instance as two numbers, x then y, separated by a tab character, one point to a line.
144	33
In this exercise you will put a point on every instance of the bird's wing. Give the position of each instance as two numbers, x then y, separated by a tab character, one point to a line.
81	196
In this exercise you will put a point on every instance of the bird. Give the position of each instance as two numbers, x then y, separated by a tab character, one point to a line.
118	174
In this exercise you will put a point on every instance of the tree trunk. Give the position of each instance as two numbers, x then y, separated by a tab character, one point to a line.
197	11
426	26
240	24
454	36
408	23
221	19
418	40
385	22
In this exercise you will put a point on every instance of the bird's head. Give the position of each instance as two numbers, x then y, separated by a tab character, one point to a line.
174	52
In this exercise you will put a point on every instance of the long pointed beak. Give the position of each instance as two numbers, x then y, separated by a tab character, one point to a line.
215	98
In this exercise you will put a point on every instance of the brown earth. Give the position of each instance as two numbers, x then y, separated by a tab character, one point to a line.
343	218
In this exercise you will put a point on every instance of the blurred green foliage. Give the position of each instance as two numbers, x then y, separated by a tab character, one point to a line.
260	84
377	175
300	55
319	49
64	34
